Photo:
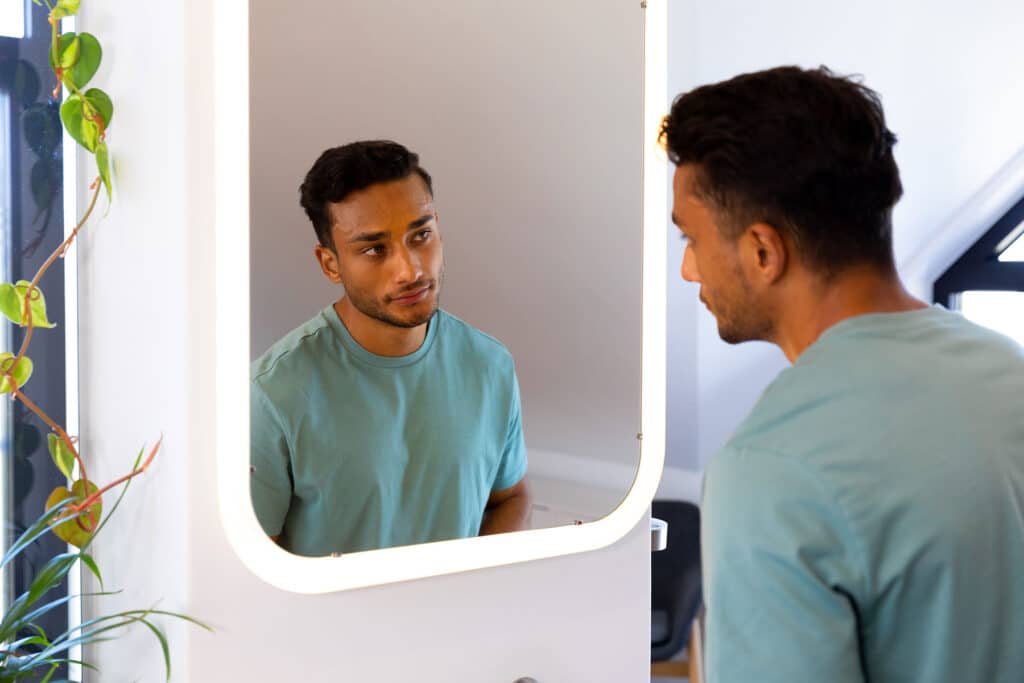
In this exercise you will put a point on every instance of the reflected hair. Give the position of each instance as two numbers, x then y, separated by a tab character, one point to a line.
340	171
805	151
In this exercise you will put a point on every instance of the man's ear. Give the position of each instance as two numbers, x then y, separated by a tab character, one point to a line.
766	253
328	261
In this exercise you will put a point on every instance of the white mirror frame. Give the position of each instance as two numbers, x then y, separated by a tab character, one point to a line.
323	575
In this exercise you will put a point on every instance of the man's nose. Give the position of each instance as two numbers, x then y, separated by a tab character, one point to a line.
689	266
407	266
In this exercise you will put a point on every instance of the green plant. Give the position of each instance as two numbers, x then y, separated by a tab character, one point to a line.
74	512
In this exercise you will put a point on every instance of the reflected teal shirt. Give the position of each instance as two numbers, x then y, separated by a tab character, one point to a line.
354	451
866	521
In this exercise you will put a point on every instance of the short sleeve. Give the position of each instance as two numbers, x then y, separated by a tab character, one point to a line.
512	467
270	479
781	572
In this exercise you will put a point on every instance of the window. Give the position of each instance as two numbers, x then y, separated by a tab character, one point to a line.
31	227
987	283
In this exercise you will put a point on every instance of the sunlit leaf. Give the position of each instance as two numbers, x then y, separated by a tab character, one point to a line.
103	164
89	57
69	55
100	101
90	54
76	531
63	457
70	7
21	372
12	304
71	115
90	134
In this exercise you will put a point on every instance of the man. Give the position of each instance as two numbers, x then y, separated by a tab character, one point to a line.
384	420
866	521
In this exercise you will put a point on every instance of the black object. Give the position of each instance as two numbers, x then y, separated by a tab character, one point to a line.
675	579
979	268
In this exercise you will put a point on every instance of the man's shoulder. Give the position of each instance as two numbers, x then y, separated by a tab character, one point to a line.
293	351
468	340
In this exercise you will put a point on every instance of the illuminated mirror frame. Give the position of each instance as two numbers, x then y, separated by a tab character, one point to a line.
374	567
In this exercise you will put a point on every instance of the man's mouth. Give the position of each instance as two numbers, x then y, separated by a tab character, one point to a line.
412	297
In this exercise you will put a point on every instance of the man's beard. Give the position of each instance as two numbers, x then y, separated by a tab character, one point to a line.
373	309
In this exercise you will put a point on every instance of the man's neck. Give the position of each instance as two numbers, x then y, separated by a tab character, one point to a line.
377	336
813	308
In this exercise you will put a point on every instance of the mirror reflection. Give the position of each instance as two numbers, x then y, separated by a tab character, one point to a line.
446	316
383	420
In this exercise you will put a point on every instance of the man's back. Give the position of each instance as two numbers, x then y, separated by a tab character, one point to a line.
866	522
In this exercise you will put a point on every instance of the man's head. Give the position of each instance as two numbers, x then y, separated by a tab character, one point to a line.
371	205
780	171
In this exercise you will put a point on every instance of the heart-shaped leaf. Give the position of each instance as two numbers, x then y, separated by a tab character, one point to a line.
90	54
63	457
22	371
12	304
71	115
69	55
101	104
89	57
78	530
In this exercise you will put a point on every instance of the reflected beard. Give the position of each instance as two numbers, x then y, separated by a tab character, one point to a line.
373	309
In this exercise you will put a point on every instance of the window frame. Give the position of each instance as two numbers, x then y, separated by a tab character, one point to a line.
979	269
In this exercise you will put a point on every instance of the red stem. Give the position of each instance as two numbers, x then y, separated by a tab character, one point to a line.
78	507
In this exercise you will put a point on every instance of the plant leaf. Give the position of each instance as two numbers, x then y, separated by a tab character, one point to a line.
12	304
70	7
91	564
78	530
63	457
38	528
69	55
71	115
22	371
163	645
100	101
63	43
90	54
103	164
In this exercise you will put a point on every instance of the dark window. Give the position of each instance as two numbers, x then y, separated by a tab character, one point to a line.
987	283
31	227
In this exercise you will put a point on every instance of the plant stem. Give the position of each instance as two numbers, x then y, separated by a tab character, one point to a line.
78	507
58	252
53	425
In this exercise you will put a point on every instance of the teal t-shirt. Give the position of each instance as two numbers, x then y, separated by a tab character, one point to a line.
866	521
354	451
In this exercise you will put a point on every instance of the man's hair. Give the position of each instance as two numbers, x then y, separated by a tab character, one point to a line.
340	171
805	151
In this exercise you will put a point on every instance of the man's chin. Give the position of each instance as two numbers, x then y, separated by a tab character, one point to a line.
421	315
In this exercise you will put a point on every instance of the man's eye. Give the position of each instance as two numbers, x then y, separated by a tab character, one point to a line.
423	235
374	251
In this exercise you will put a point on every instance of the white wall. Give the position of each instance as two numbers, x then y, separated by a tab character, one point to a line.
146	358
528	117
949	74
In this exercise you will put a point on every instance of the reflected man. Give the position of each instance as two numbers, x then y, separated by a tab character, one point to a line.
384	420
864	523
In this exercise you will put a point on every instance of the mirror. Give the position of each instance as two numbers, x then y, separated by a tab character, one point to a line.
531	128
